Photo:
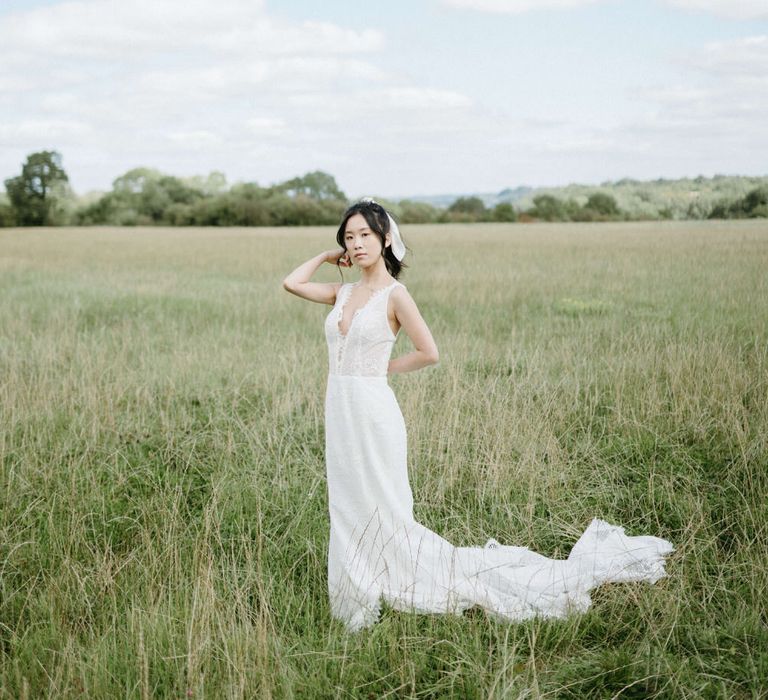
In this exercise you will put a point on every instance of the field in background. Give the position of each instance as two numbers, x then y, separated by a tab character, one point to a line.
163	514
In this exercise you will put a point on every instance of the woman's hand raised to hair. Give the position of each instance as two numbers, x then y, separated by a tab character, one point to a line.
339	256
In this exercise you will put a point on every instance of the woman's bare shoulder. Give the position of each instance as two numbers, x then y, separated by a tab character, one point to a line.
401	297
400	291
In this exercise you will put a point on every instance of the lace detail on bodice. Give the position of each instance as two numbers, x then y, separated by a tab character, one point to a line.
366	348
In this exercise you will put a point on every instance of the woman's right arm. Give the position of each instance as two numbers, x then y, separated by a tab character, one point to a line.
297	282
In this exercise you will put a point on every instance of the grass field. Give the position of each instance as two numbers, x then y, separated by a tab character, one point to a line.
163	523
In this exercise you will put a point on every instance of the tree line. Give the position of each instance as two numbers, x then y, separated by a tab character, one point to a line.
40	196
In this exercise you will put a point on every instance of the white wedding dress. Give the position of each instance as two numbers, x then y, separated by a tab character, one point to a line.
378	552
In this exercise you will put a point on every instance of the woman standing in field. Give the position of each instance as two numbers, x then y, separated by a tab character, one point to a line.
377	551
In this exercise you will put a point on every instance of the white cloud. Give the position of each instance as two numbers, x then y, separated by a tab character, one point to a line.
140	28
746	57
717	114
724	97
195	139
730	9
224	85
229	77
589	143
418	98
190	86
514	7
51	129
266	126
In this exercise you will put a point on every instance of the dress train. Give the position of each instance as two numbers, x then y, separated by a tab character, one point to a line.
378	552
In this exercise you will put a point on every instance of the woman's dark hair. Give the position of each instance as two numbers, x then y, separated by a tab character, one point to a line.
377	219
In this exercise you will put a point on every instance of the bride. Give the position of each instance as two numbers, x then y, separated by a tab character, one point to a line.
377	551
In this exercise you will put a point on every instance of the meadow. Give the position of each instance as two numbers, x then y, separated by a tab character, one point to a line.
163	513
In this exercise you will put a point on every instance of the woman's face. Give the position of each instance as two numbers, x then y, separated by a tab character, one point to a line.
363	245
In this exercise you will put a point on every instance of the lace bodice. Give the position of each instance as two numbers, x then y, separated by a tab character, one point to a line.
367	346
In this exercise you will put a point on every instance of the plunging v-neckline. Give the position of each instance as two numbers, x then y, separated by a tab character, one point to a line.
375	293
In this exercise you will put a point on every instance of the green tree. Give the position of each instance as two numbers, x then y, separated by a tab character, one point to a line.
144	196
548	208
756	202
317	185
7	214
603	204
213	183
752	205
249	207
503	211
38	193
417	212
467	209
212	211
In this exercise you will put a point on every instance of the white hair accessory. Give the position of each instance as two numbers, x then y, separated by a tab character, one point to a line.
398	247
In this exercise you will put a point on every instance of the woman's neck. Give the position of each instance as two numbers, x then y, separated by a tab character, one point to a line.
378	277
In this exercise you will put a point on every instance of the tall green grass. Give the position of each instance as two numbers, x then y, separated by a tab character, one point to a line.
163	524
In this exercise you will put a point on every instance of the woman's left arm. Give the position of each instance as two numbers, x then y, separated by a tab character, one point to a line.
416	328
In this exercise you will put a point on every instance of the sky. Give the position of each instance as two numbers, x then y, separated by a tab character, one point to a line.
394	99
